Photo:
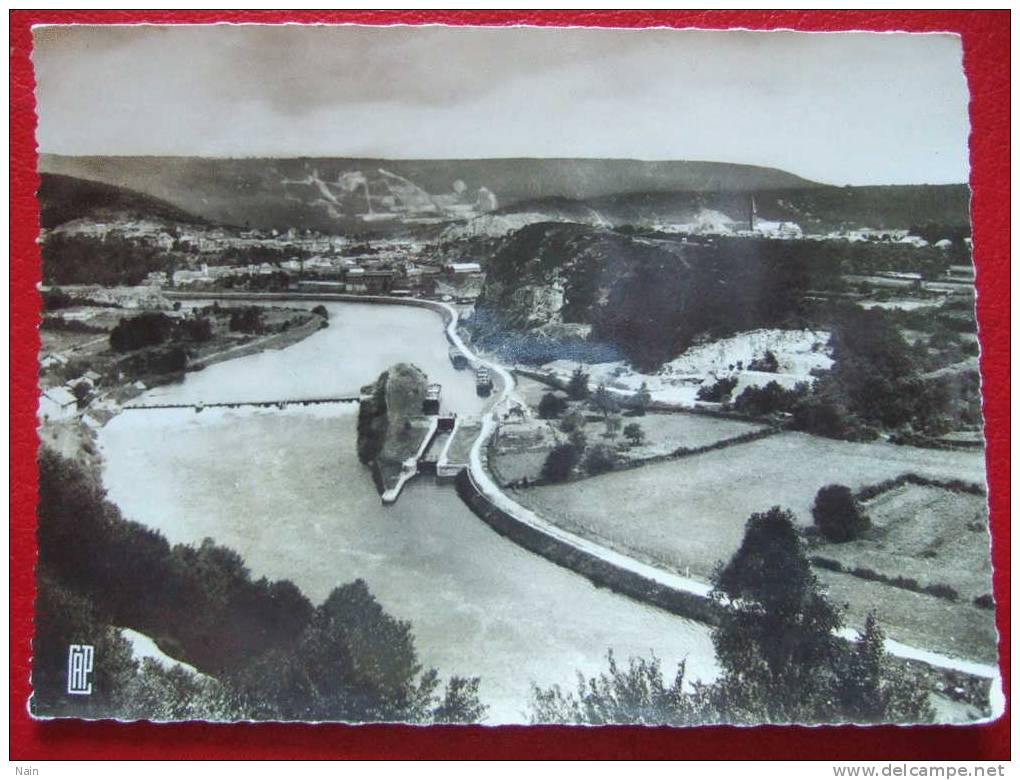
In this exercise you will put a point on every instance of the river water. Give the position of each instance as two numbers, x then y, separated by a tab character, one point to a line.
285	489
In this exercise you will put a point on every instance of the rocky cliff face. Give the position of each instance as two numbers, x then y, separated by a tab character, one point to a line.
562	290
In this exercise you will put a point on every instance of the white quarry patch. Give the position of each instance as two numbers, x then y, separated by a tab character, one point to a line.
705	221
143	647
777	229
499	225
798	353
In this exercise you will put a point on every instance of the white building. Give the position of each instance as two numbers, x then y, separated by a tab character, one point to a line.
57	403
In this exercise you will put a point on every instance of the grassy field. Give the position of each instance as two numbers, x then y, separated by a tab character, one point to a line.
688	514
917	619
691	512
931	535
664	434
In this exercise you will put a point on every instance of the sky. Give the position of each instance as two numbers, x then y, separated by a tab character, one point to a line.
841	108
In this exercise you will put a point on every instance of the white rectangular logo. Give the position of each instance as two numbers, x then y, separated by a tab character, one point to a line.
79	670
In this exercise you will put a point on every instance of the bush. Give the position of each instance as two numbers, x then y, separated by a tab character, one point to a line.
197	329
838	515
55	299
718	392
560	462
551	406
321	311
634	433
600	459
985	601
770	399
768	363
247	320
942	591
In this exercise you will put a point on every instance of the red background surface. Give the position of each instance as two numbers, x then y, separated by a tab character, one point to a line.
986	58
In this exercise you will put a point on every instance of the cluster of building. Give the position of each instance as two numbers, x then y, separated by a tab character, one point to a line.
62	402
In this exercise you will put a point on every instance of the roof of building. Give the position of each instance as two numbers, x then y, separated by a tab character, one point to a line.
60	396
465	267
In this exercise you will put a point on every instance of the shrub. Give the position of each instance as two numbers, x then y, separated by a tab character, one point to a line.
942	591
551	406
772	398
838	515
634	433
719	391
600	459
985	601
767	363
560	462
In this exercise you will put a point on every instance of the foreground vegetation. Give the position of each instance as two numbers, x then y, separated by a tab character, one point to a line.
780	661
260	648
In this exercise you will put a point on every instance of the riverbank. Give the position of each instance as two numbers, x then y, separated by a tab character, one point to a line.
75	437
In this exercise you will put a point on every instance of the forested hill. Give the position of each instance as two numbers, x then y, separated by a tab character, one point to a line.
330	193
647	299
66	198
816	209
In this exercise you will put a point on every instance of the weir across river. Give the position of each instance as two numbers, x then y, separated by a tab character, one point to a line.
197	406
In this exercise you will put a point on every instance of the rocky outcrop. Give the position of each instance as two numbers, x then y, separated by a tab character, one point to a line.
390	421
643	299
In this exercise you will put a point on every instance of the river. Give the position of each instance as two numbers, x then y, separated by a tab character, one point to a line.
285	489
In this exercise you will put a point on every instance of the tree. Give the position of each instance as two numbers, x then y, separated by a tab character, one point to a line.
560	462
600	459
775	637
82	394
634	433
870	691
577	387
613	424
640	401
551	406
356	662
638	693
572	422
604	401
838	515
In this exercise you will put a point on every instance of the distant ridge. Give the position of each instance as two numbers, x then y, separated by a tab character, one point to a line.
375	196
251	190
67	198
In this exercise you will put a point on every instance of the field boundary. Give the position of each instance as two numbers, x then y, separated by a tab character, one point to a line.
869	492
